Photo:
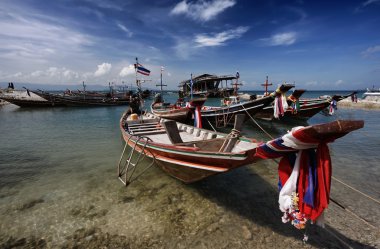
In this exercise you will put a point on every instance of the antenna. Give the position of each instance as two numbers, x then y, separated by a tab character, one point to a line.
161	85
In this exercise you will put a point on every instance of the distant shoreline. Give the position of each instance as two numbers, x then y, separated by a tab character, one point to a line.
361	104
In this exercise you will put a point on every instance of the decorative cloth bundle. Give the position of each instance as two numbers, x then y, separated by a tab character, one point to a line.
304	176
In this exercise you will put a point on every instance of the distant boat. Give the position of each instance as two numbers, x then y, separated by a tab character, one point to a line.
83	100
372	92
25	98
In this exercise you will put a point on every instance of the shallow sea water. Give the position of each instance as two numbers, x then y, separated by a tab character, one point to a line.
59	188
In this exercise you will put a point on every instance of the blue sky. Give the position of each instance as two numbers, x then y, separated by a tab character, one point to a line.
316	44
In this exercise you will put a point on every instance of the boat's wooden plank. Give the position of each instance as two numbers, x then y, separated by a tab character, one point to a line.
146	129
143	124
144	133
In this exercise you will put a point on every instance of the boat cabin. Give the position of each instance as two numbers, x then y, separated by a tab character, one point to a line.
208	85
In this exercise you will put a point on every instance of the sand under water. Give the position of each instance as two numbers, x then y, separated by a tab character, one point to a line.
234	210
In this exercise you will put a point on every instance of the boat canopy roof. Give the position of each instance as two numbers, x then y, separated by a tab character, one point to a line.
207	77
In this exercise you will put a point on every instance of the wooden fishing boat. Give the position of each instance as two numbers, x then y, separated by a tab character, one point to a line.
178	111
82	100
26	98
191	154
300	109
225	114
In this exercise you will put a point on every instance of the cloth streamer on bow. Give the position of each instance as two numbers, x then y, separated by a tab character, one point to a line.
198	117
304	176
333	107
280	105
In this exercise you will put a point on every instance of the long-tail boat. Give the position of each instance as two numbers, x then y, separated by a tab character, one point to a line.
26	98
301	108
225	114
82	100
177	111
191	154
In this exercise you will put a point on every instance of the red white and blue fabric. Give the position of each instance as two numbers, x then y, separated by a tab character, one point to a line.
142	70
198	117
304	175
333	107
280	105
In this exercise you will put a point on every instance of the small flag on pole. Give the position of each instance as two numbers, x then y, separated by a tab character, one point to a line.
142	70
237	75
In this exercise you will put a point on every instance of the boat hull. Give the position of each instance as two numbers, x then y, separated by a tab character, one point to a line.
180	115
29	103
226	115
187	164
195	160
306	111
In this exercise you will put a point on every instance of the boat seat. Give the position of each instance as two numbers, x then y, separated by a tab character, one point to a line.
172	131
144	133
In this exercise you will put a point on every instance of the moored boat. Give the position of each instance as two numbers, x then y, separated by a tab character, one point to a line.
231	106
184	151
82	100
301	109
178	111
25	98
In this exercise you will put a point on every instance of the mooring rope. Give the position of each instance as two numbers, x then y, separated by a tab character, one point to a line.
249	115
345	184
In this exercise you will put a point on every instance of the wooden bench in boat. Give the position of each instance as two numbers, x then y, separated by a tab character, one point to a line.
140	129
146	129
144	133
144	124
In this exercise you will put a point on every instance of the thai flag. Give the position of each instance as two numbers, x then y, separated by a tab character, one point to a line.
142	70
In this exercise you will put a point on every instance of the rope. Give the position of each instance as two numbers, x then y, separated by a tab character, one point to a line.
352	213
345	184
249	115
210	124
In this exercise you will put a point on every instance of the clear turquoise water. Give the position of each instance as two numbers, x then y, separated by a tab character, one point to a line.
58	173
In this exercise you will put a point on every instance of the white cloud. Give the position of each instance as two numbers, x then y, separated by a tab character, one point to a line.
371	50
53	74
368	2
68	74
130	70
339	82
37	73
125	29
311	83
184	48
219	38
103	69
365	4
202	10
281	39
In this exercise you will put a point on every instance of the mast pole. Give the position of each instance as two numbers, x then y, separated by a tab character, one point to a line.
191	86
266	84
